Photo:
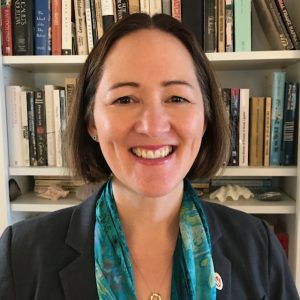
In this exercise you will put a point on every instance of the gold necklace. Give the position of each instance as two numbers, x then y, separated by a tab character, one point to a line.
153	295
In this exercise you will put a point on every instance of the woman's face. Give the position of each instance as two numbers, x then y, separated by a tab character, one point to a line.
148	112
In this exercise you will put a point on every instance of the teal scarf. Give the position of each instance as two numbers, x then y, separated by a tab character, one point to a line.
193	274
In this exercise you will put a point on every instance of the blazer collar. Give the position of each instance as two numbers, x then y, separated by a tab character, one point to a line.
78	278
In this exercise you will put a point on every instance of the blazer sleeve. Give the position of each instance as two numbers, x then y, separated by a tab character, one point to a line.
281	283
6	274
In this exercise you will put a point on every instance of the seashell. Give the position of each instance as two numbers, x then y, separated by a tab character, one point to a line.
231	192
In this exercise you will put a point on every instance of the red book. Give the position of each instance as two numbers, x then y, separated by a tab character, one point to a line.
56	27
6	27
284	241
176	9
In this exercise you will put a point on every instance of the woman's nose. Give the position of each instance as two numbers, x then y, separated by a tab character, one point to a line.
153	120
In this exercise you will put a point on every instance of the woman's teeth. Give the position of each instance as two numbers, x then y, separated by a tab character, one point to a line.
152	154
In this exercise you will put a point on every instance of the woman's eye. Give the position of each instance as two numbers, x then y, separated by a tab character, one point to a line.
178	99
123	100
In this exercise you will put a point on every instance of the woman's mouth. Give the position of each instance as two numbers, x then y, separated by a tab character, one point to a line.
153	154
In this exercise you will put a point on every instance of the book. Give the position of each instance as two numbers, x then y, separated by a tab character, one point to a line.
108	18
210	32
267	130
270	25
14	124
70	87
166	7
66	21
229	22
221	25
56	15
40	128
256	131
234	120
288	23
42	27
289	138
242	25
89	26
99	18
57	127
194	21
155	7
145	6
24	125
31	128
122	8
22	27
7	44
94	21
278	85
244	127
81	30
134	6
176	9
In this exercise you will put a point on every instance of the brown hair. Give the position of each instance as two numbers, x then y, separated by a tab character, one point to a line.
85	155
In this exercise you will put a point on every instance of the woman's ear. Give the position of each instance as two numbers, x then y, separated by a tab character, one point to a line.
92	130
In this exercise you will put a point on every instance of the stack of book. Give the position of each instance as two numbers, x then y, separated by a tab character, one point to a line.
36	122
263	128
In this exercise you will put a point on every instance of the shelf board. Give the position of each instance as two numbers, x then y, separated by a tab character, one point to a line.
221	61
254	206
38	171
30	202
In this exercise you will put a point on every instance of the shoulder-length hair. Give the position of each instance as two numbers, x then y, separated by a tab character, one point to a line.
85	156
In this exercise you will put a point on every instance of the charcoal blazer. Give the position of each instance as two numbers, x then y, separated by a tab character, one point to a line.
51	257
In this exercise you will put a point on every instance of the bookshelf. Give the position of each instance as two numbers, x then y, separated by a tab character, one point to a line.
241	69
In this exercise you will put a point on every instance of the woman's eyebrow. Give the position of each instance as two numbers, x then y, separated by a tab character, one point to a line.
176	82
124	83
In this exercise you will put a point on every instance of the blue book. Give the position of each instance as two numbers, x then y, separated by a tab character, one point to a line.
42	27
289	139
278	85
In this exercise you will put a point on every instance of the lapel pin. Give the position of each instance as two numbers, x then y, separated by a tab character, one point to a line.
219	281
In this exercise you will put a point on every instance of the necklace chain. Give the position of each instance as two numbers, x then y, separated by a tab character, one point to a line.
153	295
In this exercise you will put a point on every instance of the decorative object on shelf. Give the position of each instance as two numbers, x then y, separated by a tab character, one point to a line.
270	196
14	190
54	192
231	192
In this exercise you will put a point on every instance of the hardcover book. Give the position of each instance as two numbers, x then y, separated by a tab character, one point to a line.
145	6
234	118
66	27
210	30
267	131
56	27
122	9
134	6
24	124
229	26
176	9
81	30
99	18
155	7
244	127
22	27
108	18
166	7
221	26
7	44
278	84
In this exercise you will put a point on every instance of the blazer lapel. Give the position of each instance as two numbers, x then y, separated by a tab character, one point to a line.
78	278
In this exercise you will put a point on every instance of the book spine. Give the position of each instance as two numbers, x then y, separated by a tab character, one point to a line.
134	6
288	23
256	131
14	125
145	6
108	17
99	18
229	26
166	7
24	123
210	26
31	128
122	9
289	124
40	127
242	25
57	126
81	31
63	119
89	26
7	44
278	85
70	86
234	118
283	34
268	104
244	127
56	27
66	22
193	21
22	27
94	21
155	7
42	24
176	9
221	26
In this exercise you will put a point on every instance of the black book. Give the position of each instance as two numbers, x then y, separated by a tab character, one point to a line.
31	128
192	16
22	27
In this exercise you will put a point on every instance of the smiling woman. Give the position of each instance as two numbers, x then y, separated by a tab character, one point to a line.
148	116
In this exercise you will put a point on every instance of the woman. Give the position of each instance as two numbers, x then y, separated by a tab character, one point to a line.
148	116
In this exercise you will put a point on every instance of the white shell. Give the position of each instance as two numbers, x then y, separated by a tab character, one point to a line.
231	192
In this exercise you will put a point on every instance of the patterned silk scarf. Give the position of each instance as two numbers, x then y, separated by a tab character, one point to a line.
193	276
